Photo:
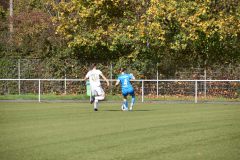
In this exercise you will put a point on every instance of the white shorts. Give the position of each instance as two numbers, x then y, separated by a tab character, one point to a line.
97	91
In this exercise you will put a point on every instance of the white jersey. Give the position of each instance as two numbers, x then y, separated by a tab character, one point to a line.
94	77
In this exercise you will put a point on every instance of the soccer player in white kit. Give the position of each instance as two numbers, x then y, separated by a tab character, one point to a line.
97	92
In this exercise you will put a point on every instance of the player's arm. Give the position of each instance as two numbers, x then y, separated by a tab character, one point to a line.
117	83
105	79
86	77
132	76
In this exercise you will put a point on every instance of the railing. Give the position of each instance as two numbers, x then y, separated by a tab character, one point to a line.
150	90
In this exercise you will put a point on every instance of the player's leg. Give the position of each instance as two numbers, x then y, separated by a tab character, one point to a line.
99	95
125	102
93	93
132	102
92	99
95	105
133	99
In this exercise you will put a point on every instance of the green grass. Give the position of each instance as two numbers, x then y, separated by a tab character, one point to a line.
44	97
72	131
116	97
52	97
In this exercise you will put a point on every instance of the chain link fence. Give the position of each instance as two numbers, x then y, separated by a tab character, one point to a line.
72	68
158	89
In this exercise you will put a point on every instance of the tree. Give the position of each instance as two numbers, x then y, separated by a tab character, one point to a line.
99	29
199	29
34	33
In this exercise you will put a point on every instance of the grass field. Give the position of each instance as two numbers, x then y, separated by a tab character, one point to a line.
72	131
116	97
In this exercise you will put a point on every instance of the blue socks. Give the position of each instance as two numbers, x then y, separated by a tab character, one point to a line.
125	103
133	100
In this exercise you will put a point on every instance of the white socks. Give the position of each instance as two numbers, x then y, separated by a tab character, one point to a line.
95	103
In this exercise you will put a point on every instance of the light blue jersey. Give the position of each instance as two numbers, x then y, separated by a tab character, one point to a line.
125	84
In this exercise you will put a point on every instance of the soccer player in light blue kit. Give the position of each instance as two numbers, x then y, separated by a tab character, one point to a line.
127	89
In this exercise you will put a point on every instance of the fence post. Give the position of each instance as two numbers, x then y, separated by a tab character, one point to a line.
65	85
205	82
19	76
157	83
142	90
111	76
39	90
196	90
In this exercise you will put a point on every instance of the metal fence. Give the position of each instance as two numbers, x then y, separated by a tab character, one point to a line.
146	90
73	69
